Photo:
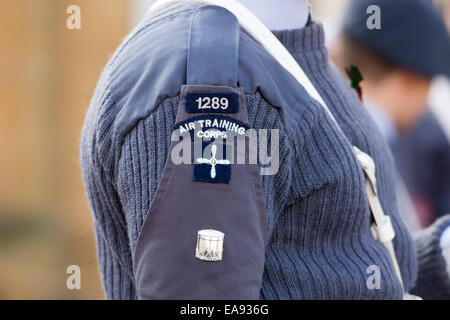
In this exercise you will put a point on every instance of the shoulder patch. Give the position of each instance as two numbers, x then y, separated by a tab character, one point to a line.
212	164
211	167
212	102
211	126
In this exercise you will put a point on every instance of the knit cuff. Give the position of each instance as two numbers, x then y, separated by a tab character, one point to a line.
433	281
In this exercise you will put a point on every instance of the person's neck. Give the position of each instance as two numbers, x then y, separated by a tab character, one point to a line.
280	14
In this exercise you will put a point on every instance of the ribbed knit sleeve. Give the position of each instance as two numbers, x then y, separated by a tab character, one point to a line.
433	280
121	179
120	207
113	250
143	155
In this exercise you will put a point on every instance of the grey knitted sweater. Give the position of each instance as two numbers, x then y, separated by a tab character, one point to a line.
318	216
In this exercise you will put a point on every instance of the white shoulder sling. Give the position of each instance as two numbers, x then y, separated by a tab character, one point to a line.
382	228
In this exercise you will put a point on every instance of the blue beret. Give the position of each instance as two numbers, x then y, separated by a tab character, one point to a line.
412	34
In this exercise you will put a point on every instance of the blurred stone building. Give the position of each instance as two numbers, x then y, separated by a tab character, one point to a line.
47	77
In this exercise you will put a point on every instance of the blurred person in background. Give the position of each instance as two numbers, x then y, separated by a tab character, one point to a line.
404	64
398	62
424	151
444	7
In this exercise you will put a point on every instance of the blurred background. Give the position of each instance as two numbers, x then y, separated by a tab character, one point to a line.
47	76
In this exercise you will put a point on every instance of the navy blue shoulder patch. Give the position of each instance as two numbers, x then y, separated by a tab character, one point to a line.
211	168
212	102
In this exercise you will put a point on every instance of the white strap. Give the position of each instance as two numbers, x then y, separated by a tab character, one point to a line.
383	230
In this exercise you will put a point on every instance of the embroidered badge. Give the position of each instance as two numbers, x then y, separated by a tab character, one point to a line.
211	127
212	102
210	134
212	168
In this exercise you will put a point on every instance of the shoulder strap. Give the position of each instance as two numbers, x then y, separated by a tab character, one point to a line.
213	48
